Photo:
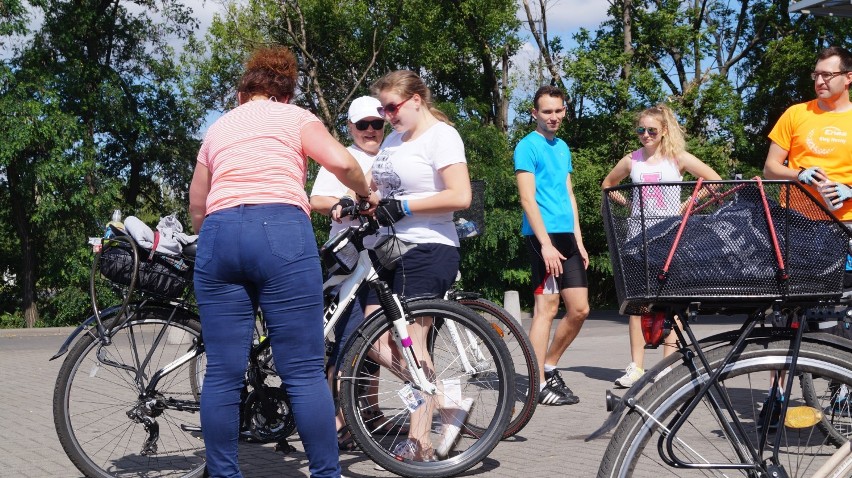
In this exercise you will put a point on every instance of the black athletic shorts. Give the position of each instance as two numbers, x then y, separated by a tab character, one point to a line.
573	270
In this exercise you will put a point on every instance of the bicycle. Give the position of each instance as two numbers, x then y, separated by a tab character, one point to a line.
162	386
702	407
523	356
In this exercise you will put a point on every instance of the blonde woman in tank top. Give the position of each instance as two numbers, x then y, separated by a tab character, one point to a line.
662	158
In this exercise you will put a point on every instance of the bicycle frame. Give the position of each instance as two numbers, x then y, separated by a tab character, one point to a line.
693	352
391	304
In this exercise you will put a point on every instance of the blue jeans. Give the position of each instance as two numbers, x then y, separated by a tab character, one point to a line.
262	255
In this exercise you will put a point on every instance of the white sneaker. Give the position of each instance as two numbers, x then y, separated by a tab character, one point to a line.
631	374
453	419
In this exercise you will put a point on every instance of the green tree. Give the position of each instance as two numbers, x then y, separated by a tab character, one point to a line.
97	118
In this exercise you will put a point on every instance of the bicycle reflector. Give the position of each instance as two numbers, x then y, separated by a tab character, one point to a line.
654	328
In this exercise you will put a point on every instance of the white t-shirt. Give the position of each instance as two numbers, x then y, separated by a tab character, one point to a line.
410	170
327	184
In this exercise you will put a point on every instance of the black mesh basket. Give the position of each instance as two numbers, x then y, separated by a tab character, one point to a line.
470	222
158	274
722	252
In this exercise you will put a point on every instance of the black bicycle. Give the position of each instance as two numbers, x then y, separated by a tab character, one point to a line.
758	401
127	397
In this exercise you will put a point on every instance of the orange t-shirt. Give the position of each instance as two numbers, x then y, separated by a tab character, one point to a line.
818	138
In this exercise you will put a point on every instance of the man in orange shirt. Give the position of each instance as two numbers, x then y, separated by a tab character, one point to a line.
812	141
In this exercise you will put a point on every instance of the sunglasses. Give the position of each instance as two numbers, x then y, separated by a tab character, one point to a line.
364	124
826	75
651	131
391	108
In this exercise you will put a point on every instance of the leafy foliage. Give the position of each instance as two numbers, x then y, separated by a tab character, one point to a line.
98	113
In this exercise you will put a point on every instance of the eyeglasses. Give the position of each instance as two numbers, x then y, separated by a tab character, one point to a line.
651	131
826	75
364	124
391	108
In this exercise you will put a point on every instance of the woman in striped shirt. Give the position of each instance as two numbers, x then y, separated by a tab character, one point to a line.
257	248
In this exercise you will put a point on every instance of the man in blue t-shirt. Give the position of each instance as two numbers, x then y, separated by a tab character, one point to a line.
551	230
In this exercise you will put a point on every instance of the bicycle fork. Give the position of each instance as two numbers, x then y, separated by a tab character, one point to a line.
396	314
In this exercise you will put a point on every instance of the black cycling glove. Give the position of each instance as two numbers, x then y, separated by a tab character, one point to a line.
389	212
344	202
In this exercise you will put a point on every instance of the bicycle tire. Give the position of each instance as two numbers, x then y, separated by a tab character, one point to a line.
491	391
523	357
745	382
833	399
92	398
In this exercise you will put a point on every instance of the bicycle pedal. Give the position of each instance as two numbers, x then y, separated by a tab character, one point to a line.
802	417
190	429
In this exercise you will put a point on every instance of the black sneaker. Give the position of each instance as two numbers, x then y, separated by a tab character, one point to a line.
553	380
551	396
774	418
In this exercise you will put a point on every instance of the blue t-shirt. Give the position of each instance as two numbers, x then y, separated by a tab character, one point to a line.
550	163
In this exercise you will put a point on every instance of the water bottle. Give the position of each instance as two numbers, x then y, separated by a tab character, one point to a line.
114	222
823	188
466	228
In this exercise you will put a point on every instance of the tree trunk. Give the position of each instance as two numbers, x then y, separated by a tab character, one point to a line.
540	37
627	20
26	278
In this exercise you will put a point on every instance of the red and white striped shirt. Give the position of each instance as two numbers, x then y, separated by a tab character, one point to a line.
255	156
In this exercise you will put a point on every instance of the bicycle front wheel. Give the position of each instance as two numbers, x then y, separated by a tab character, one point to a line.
414	434
108	423
706	439
523	357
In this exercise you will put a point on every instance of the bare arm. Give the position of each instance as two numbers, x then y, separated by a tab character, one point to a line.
319	145
697	168
774	167
455	196
550	255
322	204
618	173
198	190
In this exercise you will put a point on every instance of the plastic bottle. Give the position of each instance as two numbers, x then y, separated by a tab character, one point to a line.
114	222
824	188
466	228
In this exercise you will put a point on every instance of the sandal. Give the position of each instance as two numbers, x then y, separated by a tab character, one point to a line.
345	440
379	424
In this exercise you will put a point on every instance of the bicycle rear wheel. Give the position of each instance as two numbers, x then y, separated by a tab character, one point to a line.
523	357
633	449
109	426
490	391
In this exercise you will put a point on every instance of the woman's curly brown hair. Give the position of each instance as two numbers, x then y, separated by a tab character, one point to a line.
270	71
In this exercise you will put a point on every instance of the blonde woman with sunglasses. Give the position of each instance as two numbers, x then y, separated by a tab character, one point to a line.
661	159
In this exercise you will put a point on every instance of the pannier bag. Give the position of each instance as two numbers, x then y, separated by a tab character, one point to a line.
159	274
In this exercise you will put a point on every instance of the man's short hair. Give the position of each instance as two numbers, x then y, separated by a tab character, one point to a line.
549	91
844	55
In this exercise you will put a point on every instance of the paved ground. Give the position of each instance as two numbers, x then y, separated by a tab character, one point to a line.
551	445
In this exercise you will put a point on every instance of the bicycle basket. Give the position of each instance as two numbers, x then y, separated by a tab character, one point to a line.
470	222
340	254
158	274
724	255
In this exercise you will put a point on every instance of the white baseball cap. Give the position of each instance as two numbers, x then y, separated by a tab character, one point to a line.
364	107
